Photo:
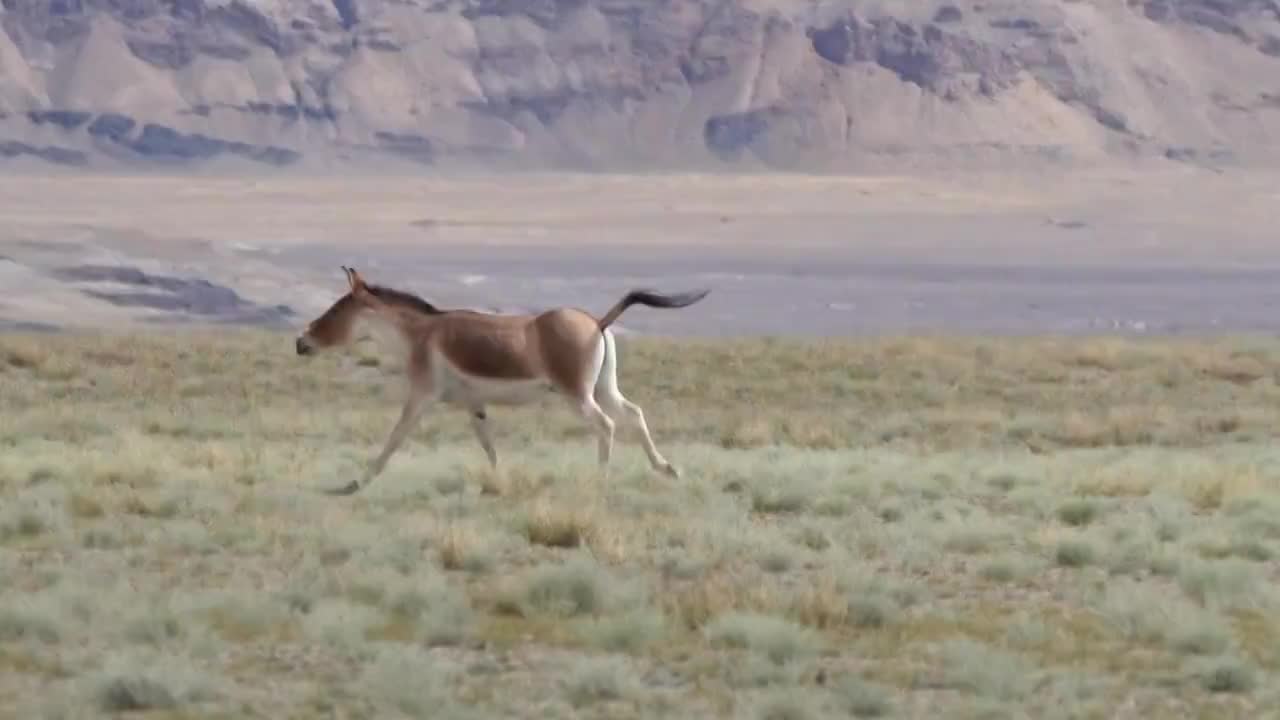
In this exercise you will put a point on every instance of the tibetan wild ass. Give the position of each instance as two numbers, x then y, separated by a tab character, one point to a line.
472	359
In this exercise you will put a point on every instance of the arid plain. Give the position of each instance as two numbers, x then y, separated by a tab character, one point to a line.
952	447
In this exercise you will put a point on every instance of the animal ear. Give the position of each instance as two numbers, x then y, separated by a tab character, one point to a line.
354	279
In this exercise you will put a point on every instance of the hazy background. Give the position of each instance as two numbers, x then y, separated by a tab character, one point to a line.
847	166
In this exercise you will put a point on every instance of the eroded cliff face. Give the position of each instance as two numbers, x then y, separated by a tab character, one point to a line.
639	84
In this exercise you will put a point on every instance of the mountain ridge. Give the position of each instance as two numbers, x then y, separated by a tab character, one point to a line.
639	84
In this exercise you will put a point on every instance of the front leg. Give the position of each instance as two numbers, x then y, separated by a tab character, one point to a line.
409	414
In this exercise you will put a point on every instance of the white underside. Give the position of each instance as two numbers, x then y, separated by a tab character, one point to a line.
454	387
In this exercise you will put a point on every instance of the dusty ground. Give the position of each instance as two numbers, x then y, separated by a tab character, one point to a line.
1111	251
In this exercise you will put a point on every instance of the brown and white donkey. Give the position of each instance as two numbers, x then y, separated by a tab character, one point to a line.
472	359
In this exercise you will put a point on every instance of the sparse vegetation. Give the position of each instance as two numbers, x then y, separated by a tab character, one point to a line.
1078	512
1224	675
779	640
858	698
1075	553
596	680
887	528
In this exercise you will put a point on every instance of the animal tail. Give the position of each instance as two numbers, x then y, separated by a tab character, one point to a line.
651	299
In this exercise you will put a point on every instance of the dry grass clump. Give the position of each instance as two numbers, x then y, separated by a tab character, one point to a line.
1078	512
559	525
576	588
713	592
972	536
462	548
1223	674
1230	583
784	497
21	624
598	680
1007	568
630	632
787	705
776	639
860	698
434	614
141	693
915	527
32	517
142	683
411	681
989	673
345	626
1075	552
1152	615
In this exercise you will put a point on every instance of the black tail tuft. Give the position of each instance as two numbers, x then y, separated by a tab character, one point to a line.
658	300
651	299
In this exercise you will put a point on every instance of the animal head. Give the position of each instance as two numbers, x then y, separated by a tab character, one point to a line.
336	326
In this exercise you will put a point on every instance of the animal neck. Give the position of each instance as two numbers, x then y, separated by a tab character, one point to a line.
395	329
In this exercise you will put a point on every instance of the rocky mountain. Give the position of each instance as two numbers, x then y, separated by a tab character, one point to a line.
823	85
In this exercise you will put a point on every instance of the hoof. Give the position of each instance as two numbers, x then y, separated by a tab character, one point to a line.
348	489
671	471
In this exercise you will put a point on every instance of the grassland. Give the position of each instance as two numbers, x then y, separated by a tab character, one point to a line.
908	528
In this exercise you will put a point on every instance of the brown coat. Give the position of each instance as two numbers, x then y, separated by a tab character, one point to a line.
470	359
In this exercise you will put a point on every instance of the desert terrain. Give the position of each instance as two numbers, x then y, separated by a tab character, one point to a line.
977	421
1166	250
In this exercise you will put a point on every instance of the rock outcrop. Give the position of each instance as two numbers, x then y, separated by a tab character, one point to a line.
638	84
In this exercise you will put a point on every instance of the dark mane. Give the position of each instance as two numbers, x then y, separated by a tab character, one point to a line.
401	297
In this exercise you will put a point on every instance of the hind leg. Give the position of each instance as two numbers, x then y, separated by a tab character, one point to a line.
620	408
480	424
603	425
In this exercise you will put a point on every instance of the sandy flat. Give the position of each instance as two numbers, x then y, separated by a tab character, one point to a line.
1147	252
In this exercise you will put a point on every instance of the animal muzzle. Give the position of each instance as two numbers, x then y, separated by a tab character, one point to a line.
303	346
